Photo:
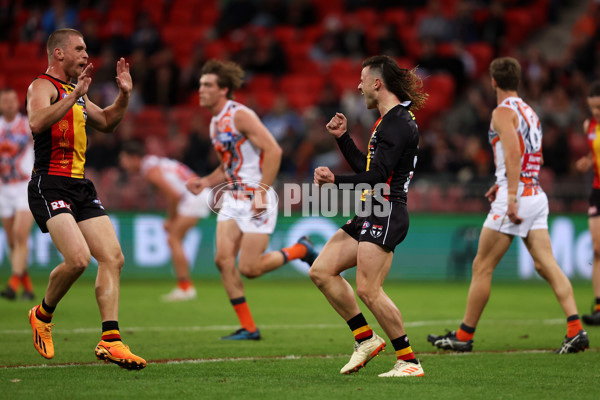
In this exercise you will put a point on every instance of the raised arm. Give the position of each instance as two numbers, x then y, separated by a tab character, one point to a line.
41	95
338	127
107	119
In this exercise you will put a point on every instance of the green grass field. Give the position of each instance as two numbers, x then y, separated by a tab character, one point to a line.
304	345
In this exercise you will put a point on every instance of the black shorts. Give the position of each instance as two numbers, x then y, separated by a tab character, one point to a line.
386	231
594	209
50	195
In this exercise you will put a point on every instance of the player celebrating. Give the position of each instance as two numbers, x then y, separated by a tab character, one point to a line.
519	208
63	201
368	242
16	162
591	127
183	208
250	159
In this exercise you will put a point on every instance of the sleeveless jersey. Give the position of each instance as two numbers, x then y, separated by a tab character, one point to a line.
593	138
529	133
16	150
61	149
174	172
242	160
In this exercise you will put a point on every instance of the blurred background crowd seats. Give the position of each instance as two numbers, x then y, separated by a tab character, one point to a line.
303	59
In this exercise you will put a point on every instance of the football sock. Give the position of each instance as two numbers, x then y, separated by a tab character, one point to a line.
403	349
243	313
44	312
14	282
465	332
597	307
360	329
293	252
573	325
184	283
26	282
110	331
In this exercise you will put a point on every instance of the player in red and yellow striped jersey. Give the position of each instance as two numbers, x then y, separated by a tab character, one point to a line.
63	201
591	127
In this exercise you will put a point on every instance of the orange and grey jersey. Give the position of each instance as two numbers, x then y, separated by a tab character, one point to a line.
242	159
16	150
529	133
593	138
60	150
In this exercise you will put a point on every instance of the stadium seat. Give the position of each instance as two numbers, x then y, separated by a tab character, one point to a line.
367	16
396	16
286	35
182	117
346	66
28	50
151	121
483	53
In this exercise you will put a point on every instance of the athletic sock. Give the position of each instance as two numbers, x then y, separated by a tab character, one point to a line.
293	252
243	313
110	331
573	325
465	332
26	282
184	283
403	349
597	307
360	329
13	282
44	312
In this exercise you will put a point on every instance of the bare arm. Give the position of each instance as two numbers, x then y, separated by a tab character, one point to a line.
504	121
251	126
197	184
107	119
156	178
586	162
42	114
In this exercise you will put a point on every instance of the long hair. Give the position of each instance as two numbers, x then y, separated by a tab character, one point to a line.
403	83
229	74
506	71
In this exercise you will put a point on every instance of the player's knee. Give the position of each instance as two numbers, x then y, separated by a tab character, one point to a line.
316	275
249	270
366	293
596	248
224	262
78	262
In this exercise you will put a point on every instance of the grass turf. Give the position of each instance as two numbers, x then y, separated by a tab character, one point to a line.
305	344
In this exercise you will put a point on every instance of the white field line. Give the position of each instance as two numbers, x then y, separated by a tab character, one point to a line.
259	358
411	324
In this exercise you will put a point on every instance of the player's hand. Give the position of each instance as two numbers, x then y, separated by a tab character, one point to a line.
584	164
260	202
513	212
83	81
323	175
491	193
338	125
123	78
196	185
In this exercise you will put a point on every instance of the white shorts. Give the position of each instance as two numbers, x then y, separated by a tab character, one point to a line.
195	206
533	210
13	198
240	211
